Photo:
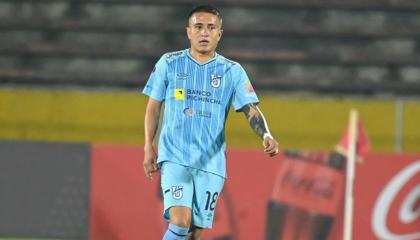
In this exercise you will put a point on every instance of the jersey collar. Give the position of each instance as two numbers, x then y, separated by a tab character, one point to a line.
203	63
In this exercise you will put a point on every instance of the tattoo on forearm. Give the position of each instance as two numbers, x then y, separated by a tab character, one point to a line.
255	119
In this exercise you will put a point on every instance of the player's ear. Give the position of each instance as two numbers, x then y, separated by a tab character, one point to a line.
221	29
187	29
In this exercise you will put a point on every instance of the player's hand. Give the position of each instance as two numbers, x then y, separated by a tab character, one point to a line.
149	164
271	146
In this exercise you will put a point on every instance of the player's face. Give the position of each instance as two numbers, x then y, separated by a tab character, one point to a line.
204	32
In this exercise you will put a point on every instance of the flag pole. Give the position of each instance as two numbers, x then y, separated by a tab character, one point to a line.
351	165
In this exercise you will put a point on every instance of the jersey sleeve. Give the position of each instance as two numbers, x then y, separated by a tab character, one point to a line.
244	92
157	83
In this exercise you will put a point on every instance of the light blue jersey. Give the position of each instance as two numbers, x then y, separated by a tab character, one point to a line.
197	100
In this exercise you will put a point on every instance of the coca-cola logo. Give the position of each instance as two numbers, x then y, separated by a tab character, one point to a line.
320	186
408	211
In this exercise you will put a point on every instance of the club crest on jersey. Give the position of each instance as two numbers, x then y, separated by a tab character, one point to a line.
215	80
177	192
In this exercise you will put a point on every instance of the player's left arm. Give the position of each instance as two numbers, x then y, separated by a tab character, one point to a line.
258	123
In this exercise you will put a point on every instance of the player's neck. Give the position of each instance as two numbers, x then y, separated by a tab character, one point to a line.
200	57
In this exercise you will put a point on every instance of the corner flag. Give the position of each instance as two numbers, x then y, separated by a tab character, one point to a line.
362	141
353	143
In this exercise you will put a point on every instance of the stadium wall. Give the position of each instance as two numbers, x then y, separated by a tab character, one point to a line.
99	192
118	117
129	206
44	189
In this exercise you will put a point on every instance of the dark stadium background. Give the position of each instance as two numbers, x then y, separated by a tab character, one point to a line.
71	72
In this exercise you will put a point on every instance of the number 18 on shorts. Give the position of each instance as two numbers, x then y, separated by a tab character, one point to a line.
193	188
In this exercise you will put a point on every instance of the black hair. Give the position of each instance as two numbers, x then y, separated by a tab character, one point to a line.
205	8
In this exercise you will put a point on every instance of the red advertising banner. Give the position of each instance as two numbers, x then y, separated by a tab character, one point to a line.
309	186
387	197
126	206
123	203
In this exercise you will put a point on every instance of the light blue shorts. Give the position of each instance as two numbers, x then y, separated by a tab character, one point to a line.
193	188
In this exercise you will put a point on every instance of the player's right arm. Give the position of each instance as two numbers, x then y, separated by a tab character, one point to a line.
151	122
155	89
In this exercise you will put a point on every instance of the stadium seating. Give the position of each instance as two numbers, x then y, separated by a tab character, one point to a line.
368	46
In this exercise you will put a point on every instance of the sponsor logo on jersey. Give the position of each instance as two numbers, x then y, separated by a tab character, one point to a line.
201	96
201	113
205	114
179	94
215	80
188	111
249	87
170	55
177	192
181	76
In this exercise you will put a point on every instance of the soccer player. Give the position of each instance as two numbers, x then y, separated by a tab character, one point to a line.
198	87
